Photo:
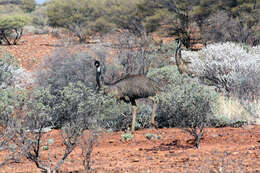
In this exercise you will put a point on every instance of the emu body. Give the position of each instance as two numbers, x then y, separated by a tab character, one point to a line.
129	89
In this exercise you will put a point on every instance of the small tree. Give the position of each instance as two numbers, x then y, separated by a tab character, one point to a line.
11	101
77	16
11	27
88	139
29	128
125	16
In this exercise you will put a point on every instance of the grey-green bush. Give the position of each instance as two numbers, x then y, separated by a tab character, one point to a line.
185	104
184	100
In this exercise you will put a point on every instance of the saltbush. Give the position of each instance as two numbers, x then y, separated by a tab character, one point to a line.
229	66
11	74
234	70
63	67
11	91
7	67
184	102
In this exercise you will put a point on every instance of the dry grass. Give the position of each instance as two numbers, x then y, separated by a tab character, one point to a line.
232	109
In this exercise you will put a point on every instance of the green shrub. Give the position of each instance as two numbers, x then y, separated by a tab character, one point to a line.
184	98
127	136
75	101
161	54
143	116
29	5
8	101
11	27
40	17
10	98
186	104
78	16
151	136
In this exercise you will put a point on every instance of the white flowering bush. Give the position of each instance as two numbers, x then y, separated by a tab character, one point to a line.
232	68
229	66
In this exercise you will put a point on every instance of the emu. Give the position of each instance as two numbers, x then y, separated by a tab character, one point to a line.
129	89
183	66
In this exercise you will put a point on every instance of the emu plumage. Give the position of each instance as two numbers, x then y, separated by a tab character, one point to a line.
129	89
183	66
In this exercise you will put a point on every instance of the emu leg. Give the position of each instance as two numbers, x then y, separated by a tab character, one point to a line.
154	110
134	118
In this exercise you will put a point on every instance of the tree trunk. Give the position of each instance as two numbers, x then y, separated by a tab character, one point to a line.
197	141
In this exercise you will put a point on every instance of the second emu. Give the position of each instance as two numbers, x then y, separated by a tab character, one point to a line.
183	66
129	89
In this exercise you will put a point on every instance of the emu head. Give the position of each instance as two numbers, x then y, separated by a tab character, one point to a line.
97	64
178	44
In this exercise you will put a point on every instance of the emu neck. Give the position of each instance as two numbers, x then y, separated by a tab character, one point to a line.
179	60
98	76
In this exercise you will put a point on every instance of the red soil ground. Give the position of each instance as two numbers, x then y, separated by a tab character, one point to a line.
222	149
31	49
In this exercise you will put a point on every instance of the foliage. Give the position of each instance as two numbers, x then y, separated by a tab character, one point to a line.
123	14
185	104
229	66
29	5
78	16
8	65
161	54
233	69
9	101
127	136
11	27
221	27
62	68
31	142
8	94
234	112
40	16
175	17
9	9
178	18
151	136
75	101
11	74
42	110
143	117
133	54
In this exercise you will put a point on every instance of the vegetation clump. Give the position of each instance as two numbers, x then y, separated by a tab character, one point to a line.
11	27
